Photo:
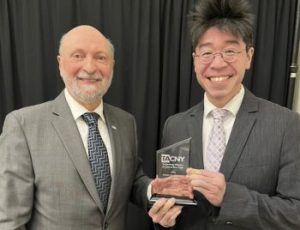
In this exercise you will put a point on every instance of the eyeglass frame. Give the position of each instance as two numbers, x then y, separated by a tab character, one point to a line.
213	55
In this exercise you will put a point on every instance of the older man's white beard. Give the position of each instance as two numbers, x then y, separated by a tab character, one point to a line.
82	94
91	97
88	98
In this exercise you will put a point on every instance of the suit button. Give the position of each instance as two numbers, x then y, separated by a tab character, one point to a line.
105	225
228	223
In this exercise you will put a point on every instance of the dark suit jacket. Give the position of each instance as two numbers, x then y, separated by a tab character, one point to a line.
45	177
261	166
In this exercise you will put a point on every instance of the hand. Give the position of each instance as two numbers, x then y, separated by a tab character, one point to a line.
211	184
164	212
176	185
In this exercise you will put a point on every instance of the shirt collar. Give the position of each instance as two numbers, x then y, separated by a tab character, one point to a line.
77	109
232	106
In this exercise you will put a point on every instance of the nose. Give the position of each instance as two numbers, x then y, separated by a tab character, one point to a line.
218	61
89	65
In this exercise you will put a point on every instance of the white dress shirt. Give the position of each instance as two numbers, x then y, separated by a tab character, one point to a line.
232	106
78	110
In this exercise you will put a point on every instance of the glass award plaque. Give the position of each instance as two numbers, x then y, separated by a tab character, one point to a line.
171	164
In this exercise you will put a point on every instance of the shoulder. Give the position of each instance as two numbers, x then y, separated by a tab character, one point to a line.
116	112
269	109
31	112
27	118
194	111
268	114
41	110
279	114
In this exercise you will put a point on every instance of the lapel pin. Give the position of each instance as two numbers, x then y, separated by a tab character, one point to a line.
114	127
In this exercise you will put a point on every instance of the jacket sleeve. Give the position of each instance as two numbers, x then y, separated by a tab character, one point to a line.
16	177
244	206
141	181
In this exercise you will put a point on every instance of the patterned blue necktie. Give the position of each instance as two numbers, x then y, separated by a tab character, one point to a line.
98	158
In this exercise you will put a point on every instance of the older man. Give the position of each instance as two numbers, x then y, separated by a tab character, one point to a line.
72	163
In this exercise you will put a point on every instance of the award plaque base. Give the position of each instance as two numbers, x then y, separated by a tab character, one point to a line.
183	201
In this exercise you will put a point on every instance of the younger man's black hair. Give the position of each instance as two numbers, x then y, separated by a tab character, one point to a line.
233	16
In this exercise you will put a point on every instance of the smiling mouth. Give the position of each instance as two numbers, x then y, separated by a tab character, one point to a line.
89	79
218	78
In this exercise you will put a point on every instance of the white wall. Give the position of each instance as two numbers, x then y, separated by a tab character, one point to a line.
296	102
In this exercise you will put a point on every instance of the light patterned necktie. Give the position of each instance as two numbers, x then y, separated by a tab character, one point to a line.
217	142
98	158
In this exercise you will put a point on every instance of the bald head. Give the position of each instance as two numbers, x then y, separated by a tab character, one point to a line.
83	32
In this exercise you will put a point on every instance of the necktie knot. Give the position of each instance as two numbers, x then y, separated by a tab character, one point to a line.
219	114
90	118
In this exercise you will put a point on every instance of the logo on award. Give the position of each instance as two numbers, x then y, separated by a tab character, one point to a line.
167	158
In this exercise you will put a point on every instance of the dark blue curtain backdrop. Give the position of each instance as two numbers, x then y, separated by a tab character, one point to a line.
153	75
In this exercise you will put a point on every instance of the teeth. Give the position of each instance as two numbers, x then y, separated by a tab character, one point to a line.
219	78
87	79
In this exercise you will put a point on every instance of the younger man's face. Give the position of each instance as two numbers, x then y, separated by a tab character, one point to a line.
221	79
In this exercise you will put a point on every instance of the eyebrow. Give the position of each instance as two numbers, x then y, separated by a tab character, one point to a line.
77	50
232	42
83	51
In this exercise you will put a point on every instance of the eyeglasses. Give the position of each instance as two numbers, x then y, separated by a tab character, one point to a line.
228	55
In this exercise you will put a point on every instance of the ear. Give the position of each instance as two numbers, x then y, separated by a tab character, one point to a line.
113	63
58	57
250	54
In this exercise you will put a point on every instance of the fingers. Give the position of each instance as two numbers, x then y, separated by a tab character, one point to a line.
211	184
160	207
203	172
164	212
191	171
169	219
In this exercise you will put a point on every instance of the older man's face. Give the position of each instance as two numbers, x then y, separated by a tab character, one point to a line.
86	65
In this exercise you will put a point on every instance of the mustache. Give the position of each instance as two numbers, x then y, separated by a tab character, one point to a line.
95	77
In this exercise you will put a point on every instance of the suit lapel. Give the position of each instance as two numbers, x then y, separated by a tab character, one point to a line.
194	125
67	130
116	148
241	130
